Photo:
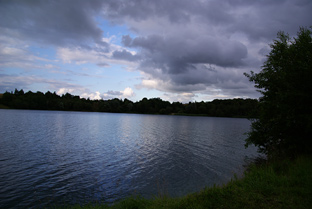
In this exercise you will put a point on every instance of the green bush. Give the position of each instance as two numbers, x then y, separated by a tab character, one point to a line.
284	126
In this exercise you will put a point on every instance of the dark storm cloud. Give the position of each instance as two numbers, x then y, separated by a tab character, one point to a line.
52	22
73	21
187	46
262	19
257	19
174	10
181	53
185	62
232	35
125	55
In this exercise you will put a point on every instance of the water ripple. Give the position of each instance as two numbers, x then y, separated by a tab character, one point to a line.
71	157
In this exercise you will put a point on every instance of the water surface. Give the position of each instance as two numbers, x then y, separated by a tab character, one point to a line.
51	157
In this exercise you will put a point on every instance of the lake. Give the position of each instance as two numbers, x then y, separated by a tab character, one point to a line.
53	157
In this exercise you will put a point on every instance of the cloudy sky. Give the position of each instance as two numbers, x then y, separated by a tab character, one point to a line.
178	50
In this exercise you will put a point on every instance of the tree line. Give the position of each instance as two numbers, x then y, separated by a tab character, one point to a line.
284	124
67	102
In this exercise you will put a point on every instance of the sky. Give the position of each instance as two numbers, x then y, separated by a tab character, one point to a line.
177	50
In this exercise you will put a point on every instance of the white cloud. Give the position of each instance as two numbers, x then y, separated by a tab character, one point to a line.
80	55
150	84
184	97
97	55
92	96
62	91
21	57
128	92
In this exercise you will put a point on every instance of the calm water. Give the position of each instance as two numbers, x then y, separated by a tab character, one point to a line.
74	157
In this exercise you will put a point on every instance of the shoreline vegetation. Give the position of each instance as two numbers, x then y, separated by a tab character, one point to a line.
235	108
283	183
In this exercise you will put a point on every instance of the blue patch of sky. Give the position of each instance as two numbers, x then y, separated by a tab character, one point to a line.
42	87
43	52
13	70
113	77
109	29
116	77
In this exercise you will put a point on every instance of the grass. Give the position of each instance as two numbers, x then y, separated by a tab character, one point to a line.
280	184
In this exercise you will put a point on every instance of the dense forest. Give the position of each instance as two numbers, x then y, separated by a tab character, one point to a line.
67	102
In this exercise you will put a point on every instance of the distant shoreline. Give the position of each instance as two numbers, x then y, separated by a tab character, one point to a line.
232	108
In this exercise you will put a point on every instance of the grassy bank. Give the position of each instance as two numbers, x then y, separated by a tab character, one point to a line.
282	184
